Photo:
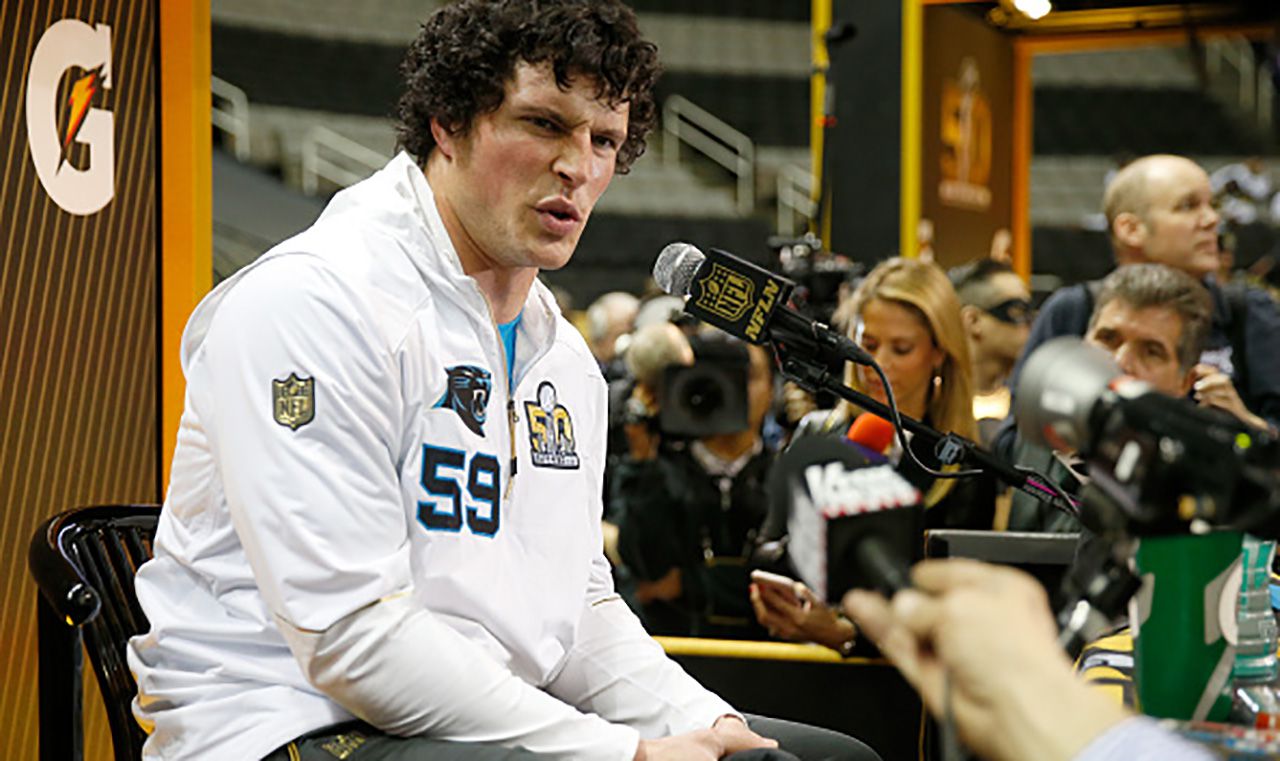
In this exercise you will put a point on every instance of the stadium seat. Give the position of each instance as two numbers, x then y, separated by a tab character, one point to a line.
84	561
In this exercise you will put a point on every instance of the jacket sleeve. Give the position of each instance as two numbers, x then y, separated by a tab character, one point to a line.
1262	343
614	668
315	500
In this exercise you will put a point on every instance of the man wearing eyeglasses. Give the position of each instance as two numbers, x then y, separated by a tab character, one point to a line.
997	316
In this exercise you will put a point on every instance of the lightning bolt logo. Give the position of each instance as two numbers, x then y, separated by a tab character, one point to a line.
78	103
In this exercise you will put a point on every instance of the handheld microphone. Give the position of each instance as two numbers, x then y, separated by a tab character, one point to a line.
871	432
746	301
851	523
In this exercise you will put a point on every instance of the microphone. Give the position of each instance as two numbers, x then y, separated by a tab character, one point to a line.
746	301
851	523
871	432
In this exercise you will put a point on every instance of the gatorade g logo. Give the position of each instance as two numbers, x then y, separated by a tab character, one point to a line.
85	50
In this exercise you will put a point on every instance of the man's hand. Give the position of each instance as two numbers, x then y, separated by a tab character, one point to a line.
699	745
734	735
796	402
642	440
1213	388
979	644
728	735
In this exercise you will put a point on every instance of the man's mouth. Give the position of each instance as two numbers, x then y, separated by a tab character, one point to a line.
560	209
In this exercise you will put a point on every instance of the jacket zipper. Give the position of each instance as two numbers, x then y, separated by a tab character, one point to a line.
511	407
513	417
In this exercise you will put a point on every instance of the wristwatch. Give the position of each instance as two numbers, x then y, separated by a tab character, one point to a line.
846	648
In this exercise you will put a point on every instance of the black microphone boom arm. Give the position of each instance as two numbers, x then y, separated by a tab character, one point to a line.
950	448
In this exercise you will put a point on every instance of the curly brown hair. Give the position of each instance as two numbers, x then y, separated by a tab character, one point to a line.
458	66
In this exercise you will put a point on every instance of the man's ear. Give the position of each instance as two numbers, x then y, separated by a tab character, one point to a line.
1129	229
969	315
446	141
1188	378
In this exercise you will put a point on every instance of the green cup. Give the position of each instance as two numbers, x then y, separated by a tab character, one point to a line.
1182	659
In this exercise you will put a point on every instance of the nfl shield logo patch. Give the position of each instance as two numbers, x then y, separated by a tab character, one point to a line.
294	401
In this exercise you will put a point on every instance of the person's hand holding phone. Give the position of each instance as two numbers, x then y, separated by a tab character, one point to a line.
790	610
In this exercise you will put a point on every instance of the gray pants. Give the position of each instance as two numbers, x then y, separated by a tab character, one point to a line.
357	741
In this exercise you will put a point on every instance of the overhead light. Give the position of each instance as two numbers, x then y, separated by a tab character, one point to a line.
1033	9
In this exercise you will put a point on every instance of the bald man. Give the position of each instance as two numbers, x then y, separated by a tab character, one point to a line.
1159	209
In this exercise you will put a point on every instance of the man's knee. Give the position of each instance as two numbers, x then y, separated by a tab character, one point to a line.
807	742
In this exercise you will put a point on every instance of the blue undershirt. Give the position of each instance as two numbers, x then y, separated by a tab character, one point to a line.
508	333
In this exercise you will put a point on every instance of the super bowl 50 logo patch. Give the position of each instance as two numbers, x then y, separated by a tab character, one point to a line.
550	431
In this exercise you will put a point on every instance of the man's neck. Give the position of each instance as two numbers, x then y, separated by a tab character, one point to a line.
731	446
990	373
505	288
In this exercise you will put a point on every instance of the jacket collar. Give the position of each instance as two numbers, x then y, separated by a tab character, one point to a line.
439	264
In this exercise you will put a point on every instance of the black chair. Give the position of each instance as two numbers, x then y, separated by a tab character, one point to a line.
84	561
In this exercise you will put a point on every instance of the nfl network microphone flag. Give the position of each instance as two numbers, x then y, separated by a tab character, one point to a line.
736	296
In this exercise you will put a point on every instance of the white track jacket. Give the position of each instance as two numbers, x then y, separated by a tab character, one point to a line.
364	519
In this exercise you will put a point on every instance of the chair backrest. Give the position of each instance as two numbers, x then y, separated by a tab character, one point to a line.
84	561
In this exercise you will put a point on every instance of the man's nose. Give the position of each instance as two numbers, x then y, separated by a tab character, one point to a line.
1125	359
573	162
1211	217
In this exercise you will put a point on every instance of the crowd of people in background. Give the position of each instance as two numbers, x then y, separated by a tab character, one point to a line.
686	516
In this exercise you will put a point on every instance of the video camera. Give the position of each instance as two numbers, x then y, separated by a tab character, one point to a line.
709	397
818	274
1158	465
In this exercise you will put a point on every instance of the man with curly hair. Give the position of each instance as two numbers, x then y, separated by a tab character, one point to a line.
382	535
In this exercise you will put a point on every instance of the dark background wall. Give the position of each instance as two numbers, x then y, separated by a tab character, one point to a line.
863	148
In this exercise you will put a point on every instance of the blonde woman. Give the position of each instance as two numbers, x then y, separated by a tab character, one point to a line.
907	316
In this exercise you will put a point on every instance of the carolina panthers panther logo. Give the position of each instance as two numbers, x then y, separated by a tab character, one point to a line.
467	394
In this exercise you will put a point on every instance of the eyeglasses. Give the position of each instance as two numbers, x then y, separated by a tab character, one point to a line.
1012	311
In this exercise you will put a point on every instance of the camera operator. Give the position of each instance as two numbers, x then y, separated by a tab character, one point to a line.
979	643
690	507
633	404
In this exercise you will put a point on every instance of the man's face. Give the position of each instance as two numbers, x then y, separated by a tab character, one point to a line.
1000	328
525	177
1180	226
1144	343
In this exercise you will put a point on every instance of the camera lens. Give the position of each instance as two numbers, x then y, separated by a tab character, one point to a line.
704	396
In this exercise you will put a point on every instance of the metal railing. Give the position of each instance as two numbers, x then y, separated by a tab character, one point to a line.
683	121
231	115
795	197
1254	91
330	156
